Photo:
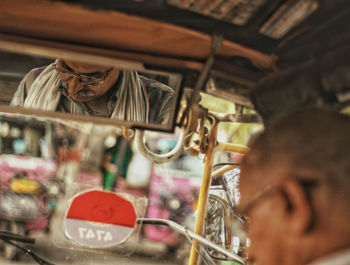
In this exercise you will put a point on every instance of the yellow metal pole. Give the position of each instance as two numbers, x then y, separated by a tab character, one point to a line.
226	147
203	194
238	148
222	170
207	175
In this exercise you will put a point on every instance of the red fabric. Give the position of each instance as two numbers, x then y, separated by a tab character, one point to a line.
64	155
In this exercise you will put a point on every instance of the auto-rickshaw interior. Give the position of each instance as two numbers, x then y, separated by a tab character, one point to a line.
233	67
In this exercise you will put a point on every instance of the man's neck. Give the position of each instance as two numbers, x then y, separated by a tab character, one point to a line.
101	104
338	257
310	250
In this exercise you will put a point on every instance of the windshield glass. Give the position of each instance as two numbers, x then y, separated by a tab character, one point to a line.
91	156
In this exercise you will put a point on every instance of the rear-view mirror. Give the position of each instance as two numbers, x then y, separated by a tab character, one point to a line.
83	88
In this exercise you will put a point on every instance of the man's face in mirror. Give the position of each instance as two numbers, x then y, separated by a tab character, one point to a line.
86	82
80	88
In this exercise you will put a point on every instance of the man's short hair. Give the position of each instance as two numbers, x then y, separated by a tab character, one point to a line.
312	140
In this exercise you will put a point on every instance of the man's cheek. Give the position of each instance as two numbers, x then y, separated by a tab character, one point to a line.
259	238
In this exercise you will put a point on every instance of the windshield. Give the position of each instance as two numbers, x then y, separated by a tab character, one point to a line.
90	157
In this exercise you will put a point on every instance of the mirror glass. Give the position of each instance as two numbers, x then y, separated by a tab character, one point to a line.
72	89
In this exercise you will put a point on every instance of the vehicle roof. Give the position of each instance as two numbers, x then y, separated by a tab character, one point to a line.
165	35
323	30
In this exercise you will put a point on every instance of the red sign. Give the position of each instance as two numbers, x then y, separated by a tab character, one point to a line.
100	219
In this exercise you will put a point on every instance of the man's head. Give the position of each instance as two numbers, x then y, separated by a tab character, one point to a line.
295	188
86	82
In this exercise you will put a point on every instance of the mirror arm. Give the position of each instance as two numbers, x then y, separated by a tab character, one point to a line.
159	158
242	118
184	231
215	46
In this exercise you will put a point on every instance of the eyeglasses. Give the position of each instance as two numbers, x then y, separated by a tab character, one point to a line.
88	80
268	191
242	213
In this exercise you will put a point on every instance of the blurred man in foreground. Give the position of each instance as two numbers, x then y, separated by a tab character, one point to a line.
295	188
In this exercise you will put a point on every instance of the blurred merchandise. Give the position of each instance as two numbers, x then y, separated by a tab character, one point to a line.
29	187
116	162
139	171
173	194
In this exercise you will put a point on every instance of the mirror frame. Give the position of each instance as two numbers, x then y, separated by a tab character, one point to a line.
59	30
84	54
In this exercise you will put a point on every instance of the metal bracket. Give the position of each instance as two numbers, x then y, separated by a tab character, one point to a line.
216	42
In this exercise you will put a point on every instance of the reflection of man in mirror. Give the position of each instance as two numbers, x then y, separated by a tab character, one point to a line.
87	89
295	190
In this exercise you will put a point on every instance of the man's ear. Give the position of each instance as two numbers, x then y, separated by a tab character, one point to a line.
298	210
